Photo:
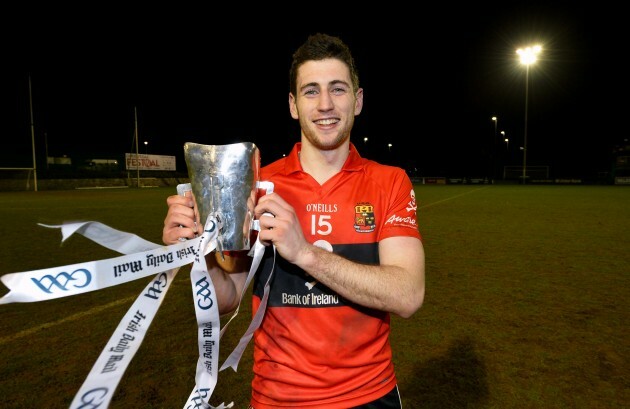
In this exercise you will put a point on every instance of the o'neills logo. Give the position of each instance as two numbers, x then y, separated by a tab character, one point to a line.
408	221
364	218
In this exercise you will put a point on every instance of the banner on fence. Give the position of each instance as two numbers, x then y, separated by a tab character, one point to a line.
149	162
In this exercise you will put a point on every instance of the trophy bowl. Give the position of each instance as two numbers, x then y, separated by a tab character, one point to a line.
223	178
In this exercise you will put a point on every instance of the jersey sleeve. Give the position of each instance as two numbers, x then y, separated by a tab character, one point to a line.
401	218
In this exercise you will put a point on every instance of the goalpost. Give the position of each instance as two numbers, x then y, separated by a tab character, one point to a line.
531	172
21	179
17	179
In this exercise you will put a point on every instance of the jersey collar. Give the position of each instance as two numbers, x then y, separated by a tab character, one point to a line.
292	164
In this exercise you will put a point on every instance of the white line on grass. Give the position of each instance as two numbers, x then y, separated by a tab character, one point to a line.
74	317
452	197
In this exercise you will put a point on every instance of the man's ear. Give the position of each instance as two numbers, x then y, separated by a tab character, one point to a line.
293	107
358	105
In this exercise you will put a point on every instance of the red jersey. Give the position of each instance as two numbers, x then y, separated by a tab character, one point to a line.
315	348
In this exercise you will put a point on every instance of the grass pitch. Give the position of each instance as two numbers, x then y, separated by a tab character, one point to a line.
527	303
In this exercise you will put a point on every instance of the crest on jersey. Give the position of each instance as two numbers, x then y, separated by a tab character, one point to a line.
364	218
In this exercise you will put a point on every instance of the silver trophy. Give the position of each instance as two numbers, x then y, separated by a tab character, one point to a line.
223	179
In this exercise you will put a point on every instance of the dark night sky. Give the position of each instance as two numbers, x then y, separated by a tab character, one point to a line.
433	78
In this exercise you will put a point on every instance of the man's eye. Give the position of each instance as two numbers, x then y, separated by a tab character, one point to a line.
310	92
338	90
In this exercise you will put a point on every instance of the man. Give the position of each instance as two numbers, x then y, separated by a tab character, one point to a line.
349	251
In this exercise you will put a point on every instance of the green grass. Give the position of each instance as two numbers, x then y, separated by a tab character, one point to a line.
527	303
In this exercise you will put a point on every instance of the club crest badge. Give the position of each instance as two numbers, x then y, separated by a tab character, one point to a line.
364	218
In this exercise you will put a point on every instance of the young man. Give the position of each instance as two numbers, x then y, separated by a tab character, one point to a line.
349	252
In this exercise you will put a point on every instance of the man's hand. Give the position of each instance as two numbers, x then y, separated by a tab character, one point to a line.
182	219
283	229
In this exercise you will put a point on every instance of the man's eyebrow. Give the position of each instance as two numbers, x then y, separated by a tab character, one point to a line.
333	82
310	84
336	82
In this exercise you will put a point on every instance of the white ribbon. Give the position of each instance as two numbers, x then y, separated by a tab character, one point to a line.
143	258
233	359
64	281
208	319
100	384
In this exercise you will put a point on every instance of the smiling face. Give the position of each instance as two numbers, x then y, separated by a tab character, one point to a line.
326	103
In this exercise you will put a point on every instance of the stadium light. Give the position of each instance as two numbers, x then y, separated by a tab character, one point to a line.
527	56
146	147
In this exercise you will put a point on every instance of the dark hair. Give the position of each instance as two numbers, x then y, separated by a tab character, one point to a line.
318	47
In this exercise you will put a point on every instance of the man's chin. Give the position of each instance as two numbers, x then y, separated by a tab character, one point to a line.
328	144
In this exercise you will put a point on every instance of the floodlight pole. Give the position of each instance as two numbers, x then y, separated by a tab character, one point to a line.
493	148
135	130
30	102
527	57
525	126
